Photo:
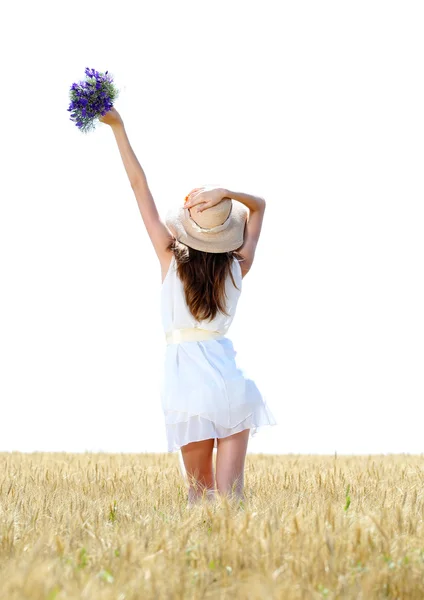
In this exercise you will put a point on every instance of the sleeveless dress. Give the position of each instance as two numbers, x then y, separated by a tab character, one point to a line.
205	393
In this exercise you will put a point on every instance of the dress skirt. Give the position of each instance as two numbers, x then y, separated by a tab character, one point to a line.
205	394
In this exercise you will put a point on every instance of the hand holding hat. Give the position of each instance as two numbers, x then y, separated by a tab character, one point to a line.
204	198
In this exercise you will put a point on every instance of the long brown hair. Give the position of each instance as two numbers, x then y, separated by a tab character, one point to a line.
203	275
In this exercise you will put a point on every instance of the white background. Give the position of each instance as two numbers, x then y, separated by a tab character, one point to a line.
318	107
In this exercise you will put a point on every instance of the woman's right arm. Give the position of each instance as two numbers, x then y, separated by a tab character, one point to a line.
256	206
156	228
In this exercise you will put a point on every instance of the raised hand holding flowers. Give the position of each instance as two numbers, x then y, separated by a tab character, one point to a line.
112	117
91	99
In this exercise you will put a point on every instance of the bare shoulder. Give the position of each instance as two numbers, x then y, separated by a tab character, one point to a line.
244	270
241	265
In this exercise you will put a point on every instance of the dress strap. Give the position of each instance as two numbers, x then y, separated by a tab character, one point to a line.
170	268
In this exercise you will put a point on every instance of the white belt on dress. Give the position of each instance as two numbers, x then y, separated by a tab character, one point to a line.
192	334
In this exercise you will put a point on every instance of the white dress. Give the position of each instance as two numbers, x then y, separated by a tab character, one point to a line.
205	393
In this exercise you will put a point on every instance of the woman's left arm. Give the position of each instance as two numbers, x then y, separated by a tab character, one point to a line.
156	228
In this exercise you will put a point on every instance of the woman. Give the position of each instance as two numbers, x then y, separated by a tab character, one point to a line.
205	248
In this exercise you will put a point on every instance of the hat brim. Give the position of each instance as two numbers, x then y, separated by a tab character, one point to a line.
226	238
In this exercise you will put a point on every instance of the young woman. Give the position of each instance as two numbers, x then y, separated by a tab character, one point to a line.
205	247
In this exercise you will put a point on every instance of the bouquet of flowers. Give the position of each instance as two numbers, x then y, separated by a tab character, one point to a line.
91	98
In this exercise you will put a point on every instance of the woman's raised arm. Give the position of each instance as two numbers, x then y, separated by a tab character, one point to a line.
156	228
256	206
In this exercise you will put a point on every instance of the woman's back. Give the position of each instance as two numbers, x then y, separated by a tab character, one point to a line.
175	312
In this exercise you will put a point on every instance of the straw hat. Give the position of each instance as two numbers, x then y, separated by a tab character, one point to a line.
219	228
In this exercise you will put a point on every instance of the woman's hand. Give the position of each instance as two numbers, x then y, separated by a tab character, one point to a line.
204	197
112	117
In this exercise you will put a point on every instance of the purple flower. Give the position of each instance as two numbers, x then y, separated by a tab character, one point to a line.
91	98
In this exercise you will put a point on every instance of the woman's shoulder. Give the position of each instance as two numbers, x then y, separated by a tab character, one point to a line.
238	266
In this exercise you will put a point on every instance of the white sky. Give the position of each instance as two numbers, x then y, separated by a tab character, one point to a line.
317	106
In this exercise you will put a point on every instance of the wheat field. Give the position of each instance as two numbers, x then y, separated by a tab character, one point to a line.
117	526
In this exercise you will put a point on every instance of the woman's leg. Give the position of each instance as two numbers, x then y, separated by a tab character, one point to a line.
230	459
197	458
